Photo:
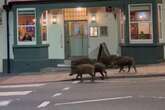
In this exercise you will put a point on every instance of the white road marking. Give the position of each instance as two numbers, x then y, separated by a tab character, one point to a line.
95	100
75	82
25	85
43	104
5	103
158	97
66	88
154	97
57	94
15	93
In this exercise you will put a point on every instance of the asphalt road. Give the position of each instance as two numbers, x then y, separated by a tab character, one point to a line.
109	94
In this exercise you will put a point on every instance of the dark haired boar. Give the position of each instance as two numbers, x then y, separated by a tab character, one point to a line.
122	61
100	67
83	69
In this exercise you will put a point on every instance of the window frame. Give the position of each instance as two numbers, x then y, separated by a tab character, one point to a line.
47	17
26	42
103	33
97	30
160	21
1	17
140	41
122	20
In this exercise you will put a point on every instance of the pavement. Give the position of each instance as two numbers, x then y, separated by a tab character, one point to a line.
53	75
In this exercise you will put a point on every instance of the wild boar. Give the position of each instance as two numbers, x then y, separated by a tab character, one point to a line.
107	60
100	67
122	61
83	69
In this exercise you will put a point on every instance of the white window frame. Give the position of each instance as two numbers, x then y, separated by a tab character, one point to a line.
160	22
140	41
45	42
1	16
122	26
26	42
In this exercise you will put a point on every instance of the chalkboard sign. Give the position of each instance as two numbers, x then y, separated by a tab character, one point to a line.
103	51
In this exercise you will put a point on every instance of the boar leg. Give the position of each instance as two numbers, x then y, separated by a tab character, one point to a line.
129	66
102	75
121	68
134	68
81	79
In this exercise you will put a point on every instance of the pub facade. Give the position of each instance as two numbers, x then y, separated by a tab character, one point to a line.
47	33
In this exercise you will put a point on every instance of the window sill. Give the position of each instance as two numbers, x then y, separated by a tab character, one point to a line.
141	41
30	46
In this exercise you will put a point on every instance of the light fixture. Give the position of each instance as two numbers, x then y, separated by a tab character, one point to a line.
79	8
93	18
54	19
34	20
142	15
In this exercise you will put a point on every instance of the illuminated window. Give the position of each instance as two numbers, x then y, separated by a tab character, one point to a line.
26	26
93	31
75	13
44	21
77	28
140	23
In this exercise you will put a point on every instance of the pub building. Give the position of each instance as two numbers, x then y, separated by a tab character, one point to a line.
48	33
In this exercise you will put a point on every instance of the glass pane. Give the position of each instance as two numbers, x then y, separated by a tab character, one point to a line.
140	27
144	31
75	13
134	30
26	18
140	12
140	16
93	31
26	33
78	28
44	26
44	33
140	30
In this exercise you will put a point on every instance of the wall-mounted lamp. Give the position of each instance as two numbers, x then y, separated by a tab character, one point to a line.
54	19
34	20
93	18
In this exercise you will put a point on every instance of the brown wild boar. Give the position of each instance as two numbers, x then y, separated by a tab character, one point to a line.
108	60
122	61
100	67
83	69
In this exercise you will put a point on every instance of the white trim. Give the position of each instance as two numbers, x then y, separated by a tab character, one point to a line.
160	33
140	41
45	42
122	26
26	42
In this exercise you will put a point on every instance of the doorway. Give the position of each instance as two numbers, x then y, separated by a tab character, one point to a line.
76	38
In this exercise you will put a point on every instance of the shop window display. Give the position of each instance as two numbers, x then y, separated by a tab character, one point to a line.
26	25
140	22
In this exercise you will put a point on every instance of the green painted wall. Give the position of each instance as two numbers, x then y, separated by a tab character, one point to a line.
144	54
